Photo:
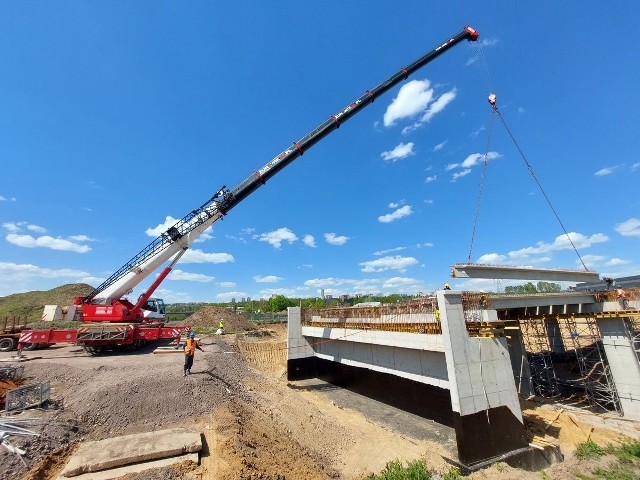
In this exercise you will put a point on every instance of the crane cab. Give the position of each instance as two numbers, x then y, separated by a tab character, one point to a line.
154	310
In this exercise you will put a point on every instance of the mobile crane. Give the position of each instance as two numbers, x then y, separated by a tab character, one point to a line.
121	321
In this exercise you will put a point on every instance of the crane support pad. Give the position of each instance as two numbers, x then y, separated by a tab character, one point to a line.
471	270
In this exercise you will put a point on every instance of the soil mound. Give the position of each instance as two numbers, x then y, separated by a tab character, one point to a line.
211	316
29	305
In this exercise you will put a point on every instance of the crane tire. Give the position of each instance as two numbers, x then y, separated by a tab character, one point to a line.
7	344
30	346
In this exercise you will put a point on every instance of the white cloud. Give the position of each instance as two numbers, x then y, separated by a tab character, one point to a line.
591	260
400	151
19	272
267	279
5	199
430	179
635	166
198	256
228	296
477	132
205	235
492	259
472	60
12	227
439	105
27	241
72	243
397	283
333	239
227	284
36	229
604	171
388	263
324	282
80	238
396	215
616	261
458	175
189	277
309	241
440	146
276	237
413	97
629	228
427	244
388	250
473	160
488	42
428	201
521	110
561	242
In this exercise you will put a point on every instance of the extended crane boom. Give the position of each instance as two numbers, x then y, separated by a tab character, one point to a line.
105	303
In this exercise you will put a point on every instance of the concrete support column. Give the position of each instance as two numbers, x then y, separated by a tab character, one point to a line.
623	363
519	363
300	357
487	416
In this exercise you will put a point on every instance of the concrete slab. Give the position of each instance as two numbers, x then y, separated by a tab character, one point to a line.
129	449
137	468
472	270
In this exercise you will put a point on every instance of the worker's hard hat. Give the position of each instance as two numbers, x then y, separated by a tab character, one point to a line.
192	335
446	284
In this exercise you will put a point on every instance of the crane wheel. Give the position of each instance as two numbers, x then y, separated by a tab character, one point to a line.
7	344
30	346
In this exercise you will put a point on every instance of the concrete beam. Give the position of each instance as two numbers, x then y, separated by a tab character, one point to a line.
126	450
471	270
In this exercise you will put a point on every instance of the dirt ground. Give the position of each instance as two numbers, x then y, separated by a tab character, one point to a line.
255	424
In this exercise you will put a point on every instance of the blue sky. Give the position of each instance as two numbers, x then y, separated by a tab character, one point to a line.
117	117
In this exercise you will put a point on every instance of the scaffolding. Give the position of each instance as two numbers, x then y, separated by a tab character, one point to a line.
595	374
414	316
535	336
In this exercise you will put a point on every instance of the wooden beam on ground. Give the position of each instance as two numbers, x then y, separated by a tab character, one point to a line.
473	270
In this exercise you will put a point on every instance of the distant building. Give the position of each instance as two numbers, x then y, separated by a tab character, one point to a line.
624	282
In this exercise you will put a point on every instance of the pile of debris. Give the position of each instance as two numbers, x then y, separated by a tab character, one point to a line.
211	316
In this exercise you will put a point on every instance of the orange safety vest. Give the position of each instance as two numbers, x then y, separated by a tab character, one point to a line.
190	347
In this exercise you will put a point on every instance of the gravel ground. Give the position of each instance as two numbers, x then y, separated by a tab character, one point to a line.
254	424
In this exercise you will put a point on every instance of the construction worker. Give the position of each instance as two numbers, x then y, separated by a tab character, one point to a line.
622	298
190	352
447	287
220	330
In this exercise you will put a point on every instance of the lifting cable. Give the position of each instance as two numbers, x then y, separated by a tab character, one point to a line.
494	106
480	190
487	77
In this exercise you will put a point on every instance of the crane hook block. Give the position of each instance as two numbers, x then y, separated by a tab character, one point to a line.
492	100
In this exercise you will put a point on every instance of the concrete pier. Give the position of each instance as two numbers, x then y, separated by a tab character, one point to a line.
458	380
460	358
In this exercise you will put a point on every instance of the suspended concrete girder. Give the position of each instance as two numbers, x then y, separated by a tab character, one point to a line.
472	270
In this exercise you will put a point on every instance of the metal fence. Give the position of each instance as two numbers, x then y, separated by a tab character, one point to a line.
28	396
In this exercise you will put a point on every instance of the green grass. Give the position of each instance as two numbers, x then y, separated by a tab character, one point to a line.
416	470
625	467
589	449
